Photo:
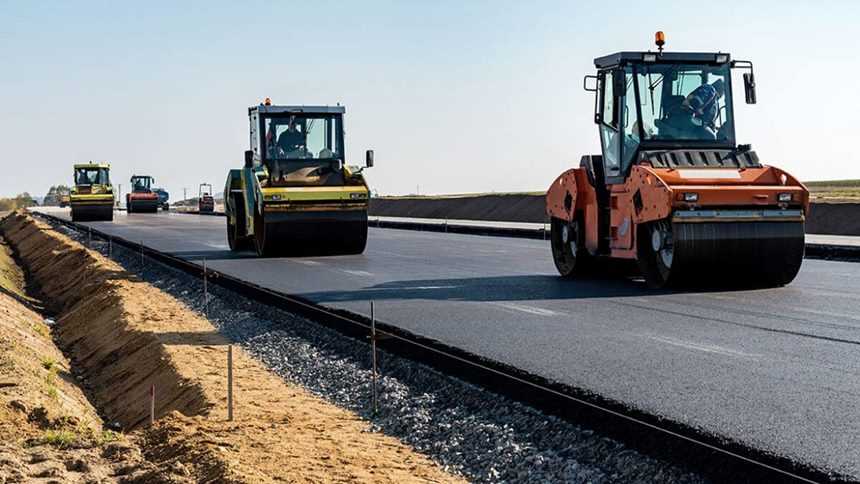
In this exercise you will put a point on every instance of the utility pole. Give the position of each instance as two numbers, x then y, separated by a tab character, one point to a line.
184	194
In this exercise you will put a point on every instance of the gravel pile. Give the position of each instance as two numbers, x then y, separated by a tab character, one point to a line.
467	430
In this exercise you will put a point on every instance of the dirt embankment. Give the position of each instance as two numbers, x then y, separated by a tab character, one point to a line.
124	335
49	431
824	218
502	207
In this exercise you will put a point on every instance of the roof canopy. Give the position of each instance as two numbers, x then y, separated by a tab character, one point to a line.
92	164
263	109
620	58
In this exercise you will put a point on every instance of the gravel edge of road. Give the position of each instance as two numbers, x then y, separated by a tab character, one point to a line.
467	430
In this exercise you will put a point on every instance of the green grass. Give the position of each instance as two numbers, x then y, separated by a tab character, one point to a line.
48	363
41	330
106	437
833	183
62	439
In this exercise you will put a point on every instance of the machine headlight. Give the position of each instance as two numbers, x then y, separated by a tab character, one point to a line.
722	58
784	197
274	197
649	57
357	196
691	197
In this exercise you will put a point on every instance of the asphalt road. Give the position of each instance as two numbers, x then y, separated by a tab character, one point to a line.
778	369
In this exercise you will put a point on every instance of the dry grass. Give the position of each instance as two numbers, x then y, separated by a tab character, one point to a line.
835	190
822	190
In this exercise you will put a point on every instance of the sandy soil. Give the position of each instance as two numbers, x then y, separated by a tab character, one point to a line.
49	432
124	335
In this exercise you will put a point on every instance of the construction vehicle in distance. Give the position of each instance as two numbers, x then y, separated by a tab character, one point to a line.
205	200
672	190
92	196
163	197
65	199
141	198
296	194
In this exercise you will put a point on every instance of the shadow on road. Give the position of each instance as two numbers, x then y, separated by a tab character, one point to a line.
211	255
500	288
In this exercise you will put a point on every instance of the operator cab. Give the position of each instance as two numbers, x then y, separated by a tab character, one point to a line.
649	103
91	175
297	145
142	184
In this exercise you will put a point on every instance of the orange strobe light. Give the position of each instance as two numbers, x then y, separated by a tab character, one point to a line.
660	39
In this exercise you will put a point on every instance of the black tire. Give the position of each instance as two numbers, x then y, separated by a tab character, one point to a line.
235	240
261	245
567	241
655	263
231	237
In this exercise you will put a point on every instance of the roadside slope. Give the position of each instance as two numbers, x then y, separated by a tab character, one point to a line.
48	428
126	335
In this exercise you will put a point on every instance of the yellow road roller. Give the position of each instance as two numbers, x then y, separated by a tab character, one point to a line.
92	197
296	194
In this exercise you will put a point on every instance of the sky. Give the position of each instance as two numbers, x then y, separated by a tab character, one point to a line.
453	96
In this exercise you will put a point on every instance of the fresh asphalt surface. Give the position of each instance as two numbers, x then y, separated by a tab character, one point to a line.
777	369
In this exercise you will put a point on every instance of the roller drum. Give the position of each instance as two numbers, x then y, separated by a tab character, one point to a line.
312	233
92	212
737	253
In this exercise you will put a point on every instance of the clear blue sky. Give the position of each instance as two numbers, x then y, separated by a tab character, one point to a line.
454	96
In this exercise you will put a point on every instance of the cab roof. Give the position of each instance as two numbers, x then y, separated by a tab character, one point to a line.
263	109
621	58
92	164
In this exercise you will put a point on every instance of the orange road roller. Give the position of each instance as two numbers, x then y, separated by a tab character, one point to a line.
672	190
141	198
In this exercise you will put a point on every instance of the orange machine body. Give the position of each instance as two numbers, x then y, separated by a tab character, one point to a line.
650	194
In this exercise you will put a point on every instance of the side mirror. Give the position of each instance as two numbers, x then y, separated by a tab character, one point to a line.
589	86
249	159
368	158
749	87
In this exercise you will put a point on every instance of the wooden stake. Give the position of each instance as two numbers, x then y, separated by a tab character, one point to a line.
373	352
205	290
152	404
230	383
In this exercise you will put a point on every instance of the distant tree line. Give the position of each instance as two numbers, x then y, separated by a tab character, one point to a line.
22	200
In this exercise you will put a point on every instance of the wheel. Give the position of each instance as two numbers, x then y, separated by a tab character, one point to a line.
568	247
231	236
260	236
235	232
656	253
235	240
